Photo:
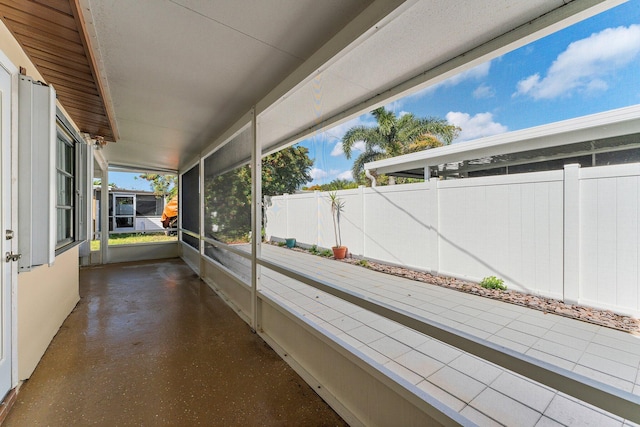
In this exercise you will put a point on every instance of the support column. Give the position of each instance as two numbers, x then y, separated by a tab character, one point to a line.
571	288
256	218
104	216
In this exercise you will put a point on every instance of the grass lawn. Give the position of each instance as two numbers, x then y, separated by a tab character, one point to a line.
133	238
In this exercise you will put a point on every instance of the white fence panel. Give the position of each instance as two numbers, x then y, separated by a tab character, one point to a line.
507	226
610	237
276	217
351	221
398	225
302	217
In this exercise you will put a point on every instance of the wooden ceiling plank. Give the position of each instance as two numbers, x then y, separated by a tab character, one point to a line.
75	69
42	11
82	30
63	80
81	96
37	25
43	51
78	102
60	5
49	70
22	32
53	44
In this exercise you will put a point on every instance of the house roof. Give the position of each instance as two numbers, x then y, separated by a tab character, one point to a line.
175	79
602	128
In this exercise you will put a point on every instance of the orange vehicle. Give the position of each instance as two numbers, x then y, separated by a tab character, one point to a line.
170	216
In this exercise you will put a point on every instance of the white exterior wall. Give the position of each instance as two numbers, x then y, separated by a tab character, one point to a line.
509	226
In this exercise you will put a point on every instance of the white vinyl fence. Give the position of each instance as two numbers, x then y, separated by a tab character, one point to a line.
572	234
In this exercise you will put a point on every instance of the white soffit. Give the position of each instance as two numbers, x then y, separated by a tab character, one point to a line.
430	41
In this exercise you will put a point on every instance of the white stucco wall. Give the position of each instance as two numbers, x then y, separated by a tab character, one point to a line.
46	295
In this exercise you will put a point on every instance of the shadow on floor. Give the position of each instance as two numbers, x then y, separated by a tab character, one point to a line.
151	344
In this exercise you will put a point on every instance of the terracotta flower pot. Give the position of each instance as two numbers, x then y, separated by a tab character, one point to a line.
339	252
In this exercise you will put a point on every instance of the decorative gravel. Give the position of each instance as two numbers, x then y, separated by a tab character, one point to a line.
548	305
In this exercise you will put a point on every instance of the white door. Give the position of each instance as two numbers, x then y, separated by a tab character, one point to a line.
8	212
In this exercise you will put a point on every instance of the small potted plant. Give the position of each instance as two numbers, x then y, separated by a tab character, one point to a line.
337	205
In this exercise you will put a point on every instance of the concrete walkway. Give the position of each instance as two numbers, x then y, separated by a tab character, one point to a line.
150	344
483	392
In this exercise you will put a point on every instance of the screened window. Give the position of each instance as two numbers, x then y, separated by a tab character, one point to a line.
65	171
148	205
190	198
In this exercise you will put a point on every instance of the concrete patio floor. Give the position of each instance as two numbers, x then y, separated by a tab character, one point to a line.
483	392
150	344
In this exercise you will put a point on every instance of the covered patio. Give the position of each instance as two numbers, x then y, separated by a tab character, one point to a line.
182	356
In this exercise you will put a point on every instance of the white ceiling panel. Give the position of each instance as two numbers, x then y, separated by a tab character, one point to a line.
181	72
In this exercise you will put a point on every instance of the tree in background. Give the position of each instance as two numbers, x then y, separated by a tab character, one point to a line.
228	196
393	136
336	184
165	186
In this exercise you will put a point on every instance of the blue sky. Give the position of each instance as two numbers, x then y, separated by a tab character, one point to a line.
590	67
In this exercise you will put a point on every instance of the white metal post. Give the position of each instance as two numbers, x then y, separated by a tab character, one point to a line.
256	218
104	216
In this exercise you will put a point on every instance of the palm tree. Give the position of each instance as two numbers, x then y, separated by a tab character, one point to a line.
393	136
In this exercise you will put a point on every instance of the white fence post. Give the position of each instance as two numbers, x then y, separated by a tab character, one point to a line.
316	193
364	227
571	233
286	215
434	232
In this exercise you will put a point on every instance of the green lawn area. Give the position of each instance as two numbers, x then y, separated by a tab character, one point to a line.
133	238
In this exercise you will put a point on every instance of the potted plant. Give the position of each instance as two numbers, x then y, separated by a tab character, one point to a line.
290	242
337	205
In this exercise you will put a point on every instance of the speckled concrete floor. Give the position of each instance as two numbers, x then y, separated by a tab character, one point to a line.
149	344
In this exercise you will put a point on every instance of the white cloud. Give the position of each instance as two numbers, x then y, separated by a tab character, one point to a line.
338	151
317	174
484	91
478	126
584	64
345	175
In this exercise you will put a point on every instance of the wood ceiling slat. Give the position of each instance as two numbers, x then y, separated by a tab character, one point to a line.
78	94
71	102
70	82
38	25
56	44
42	51
93	121
60	5
53	35
73	69
42	11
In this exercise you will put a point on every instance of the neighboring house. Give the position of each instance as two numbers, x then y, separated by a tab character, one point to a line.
135	211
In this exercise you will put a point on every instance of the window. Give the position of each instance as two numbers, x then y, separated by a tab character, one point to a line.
148	205
65	204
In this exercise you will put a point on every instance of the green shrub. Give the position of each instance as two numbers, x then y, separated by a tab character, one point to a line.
314	250
327	253
363	263
492	282
281	244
